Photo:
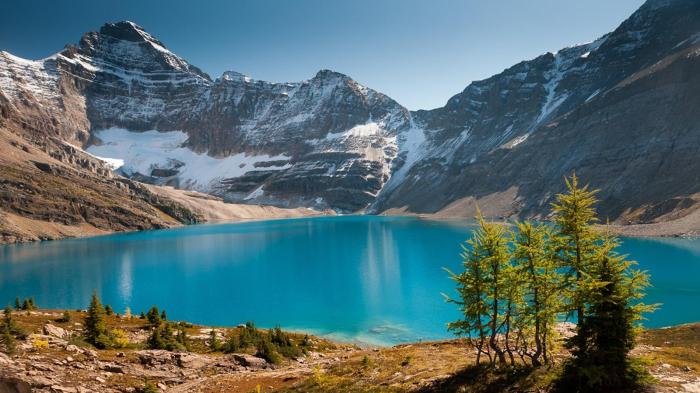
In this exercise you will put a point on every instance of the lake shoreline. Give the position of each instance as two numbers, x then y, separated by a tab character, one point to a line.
682	228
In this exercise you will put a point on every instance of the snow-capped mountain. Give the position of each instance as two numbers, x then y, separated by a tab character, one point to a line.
324	142
619	110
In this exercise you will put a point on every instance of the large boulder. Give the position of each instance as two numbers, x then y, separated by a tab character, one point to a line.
153	357
55	331
193	361
249	361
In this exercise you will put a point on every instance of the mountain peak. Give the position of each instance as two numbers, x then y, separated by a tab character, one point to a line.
235	76
326	74
127	31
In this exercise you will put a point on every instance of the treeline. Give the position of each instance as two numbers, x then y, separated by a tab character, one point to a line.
519	281
172	336
272	345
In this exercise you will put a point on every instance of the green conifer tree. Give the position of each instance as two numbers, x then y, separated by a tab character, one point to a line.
214	344
537	269
96	332
615	308
153	316
481	288
7	338
155	340
576	242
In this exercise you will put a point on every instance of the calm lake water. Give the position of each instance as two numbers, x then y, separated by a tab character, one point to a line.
370	279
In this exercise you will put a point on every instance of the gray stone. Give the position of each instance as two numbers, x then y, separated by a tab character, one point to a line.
249	361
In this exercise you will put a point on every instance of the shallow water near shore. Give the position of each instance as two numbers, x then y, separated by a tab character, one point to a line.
367	279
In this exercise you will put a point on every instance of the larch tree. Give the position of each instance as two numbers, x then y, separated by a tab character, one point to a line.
472	296
482	286
574	217
540	280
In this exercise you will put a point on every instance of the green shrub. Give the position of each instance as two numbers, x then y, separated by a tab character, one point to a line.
148	387
162	337
64	318
266	350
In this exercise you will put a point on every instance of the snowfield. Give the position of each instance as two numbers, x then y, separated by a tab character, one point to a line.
142	152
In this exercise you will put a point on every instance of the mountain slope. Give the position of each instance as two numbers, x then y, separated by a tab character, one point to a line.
619	111
325	142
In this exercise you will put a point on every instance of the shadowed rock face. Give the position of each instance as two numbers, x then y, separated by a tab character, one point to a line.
620	111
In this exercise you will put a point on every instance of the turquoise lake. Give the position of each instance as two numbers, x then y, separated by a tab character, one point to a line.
358	278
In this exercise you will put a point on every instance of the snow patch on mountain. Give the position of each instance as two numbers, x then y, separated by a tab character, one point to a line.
142	152
20	76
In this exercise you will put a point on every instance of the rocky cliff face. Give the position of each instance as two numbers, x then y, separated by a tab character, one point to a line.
325	142
619	111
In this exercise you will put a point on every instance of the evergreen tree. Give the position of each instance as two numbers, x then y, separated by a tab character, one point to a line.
233	343
108	310
96	332
153	316
6	331
214	344
537	270
155	340
576	241
615	307
163	315
472	302
183	339
8	341
18	305
480	287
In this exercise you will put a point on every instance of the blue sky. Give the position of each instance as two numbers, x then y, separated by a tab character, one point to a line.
418	52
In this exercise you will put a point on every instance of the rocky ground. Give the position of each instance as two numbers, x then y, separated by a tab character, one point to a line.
53	358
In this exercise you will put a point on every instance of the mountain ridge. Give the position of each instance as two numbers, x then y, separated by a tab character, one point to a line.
330	142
